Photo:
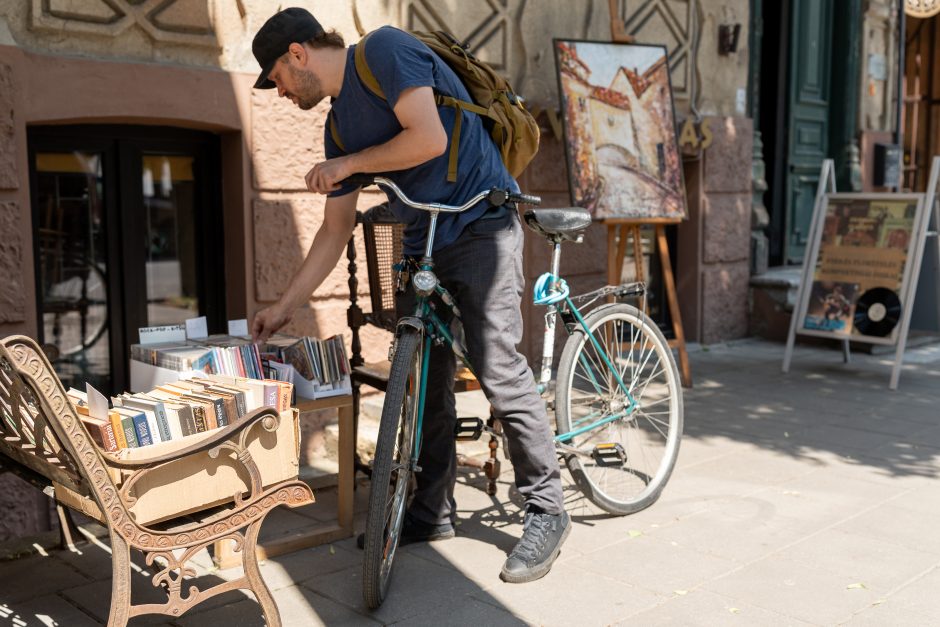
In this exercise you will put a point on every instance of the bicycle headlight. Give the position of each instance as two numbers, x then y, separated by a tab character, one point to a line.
424	282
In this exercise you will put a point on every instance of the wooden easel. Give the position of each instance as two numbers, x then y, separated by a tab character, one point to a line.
617	27
618	230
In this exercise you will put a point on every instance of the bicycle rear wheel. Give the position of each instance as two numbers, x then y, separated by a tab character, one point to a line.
392	467
621	464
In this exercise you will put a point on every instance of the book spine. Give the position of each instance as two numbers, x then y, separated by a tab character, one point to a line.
108	436
199	419
130	433
119	437
270	395
187	424
221	416
142	430
285	396
163	423
152	428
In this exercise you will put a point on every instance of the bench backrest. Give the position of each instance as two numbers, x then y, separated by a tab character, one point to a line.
40	429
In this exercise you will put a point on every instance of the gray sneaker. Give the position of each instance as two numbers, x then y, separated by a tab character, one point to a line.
542	537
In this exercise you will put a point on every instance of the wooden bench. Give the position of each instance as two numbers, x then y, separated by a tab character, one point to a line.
41	434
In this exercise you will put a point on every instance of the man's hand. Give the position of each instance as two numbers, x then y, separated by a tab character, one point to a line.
267	322
325	176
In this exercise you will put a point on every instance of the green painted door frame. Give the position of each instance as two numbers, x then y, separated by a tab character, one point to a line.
808	113
817	107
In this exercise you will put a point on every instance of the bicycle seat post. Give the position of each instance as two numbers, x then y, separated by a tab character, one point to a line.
556	258
548	337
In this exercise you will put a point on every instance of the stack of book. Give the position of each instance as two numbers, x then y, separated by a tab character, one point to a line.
323	361
316	367
175	410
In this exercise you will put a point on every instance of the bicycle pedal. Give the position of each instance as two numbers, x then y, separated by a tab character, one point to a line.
468	429
609	454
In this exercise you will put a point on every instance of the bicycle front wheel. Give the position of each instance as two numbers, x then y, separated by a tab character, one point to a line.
392	467
620	456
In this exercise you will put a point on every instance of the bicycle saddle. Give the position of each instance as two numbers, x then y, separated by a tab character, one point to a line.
567	223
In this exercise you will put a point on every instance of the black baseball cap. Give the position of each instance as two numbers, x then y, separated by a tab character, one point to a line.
275	37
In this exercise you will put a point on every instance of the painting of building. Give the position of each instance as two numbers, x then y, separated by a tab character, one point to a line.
623	159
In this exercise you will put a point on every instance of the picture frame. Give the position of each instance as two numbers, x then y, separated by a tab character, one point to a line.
619	127
862	259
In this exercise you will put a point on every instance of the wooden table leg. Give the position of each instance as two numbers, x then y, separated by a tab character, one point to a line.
347	470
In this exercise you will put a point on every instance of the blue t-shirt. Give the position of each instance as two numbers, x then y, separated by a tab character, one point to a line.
399	62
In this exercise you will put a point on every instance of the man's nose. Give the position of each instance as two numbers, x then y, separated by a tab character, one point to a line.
281	92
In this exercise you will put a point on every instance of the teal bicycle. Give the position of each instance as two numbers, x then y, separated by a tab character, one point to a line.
617	397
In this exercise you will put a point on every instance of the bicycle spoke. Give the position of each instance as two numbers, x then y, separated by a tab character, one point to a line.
647	436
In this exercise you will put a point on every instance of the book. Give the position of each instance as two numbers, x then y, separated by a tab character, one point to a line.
140	424
170	423
229	404
101	432
127	427
149	415
118	428
208	406
237	395
181	414
153	409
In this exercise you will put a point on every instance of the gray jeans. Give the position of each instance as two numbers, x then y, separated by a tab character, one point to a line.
483	271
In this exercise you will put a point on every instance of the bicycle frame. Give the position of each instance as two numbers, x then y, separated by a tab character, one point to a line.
548	342
436	331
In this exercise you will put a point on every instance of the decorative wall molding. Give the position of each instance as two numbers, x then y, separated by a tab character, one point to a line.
668	22
489	27
164	21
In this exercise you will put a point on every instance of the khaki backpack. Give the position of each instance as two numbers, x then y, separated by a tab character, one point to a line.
511	126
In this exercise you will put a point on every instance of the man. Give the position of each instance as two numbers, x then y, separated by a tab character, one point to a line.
477	253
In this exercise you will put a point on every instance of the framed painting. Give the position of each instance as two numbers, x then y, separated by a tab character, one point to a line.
620	130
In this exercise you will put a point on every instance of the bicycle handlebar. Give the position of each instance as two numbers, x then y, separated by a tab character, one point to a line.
496	197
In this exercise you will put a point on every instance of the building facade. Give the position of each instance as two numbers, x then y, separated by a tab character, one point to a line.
143	181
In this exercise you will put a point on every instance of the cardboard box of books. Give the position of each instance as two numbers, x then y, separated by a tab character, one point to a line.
176	416
199	481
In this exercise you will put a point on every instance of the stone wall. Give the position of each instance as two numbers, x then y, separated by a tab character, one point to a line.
283	143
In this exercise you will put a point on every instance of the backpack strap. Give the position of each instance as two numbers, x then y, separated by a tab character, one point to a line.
362	69
368	79
334	132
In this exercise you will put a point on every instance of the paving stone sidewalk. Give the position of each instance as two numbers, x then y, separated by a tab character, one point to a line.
803	499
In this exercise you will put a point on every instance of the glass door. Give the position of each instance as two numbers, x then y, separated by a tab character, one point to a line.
169	199
72	261
128	234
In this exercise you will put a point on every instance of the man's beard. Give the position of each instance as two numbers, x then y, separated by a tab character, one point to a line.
308	92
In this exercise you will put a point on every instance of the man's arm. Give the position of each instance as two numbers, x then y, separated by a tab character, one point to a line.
339	220
421	139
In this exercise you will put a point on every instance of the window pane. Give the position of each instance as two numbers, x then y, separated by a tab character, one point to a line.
73	265
169	201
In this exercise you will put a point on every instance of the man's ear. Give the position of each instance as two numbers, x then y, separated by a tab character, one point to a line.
298	53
